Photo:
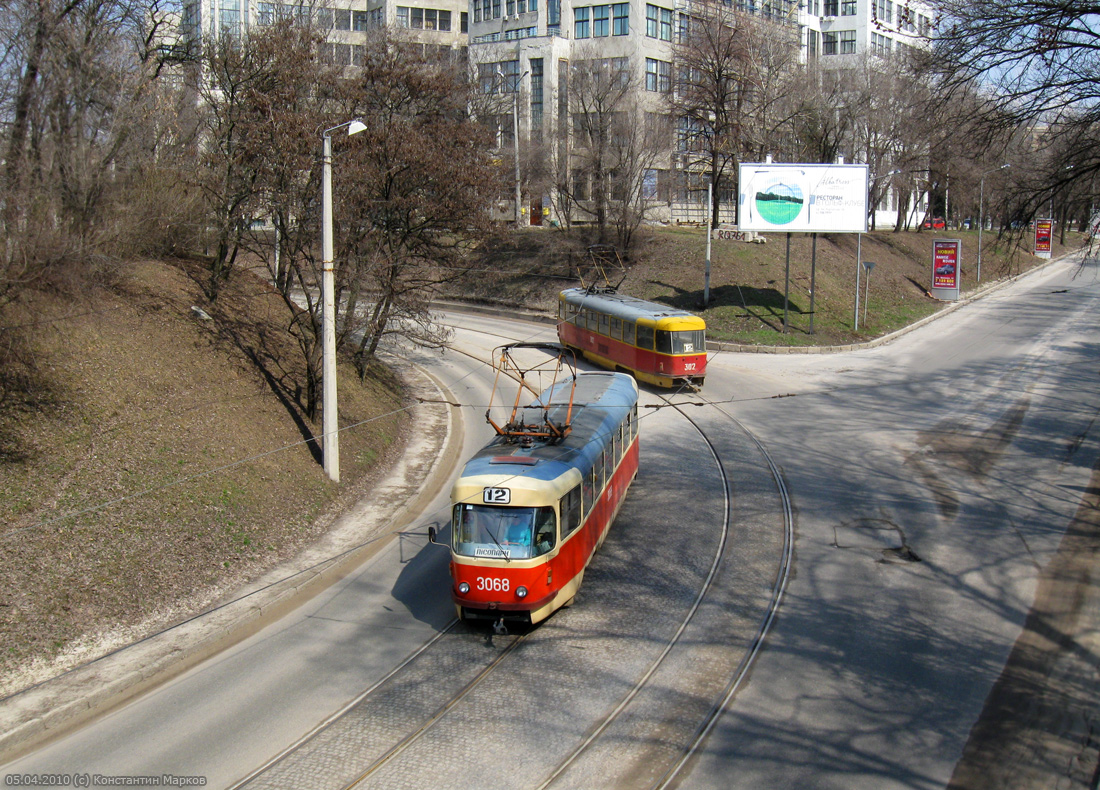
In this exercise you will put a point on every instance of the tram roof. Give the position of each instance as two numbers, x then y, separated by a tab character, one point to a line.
600	403
621	305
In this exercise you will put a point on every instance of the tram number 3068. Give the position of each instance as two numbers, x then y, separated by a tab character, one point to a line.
492	584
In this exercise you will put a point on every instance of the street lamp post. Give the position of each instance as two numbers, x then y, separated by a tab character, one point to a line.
981	212
515	140
329	414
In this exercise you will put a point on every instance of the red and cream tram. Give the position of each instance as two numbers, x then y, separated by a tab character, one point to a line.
658	344
528	512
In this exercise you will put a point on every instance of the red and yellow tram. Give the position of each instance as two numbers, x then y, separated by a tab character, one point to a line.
528	513
658	344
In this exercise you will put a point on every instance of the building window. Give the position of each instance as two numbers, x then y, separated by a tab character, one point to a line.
509	71
847	7
496	9
658	75
847	42
832	7
229	16
620	19
402	16
828	44
266	15
658	23
601	21
535	65
580	22
343	19
811	43
359	20
464	21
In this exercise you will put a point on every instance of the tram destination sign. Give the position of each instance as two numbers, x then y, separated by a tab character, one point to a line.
802	197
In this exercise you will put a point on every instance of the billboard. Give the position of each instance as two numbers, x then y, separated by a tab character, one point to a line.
1043	232
802	197
945	268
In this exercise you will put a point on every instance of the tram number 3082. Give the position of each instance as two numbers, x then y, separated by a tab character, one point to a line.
492	584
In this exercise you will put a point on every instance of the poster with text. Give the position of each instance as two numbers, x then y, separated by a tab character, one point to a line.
801	197
1043	232
945	263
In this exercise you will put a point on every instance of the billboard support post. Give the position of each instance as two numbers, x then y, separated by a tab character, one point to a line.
813	279
787	284
859	263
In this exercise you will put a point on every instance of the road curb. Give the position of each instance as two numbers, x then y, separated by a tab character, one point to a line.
45	711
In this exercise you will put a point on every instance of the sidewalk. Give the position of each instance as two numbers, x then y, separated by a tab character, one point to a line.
53	707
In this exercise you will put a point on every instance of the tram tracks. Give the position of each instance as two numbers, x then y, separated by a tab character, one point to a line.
325	746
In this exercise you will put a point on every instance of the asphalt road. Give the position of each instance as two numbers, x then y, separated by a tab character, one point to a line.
932	480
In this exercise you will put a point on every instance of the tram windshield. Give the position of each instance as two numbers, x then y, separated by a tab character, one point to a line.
691	341
513	533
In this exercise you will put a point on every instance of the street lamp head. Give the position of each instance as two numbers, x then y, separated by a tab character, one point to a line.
354	127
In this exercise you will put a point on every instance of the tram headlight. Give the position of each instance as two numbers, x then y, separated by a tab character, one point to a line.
521	592
463	587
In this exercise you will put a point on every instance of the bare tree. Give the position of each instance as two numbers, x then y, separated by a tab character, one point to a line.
600	96
417	183
734	71
1034	65
75	81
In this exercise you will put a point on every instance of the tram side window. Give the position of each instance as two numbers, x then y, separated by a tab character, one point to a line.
605	327
563	311
628	332
570	511
588	495
664	342
645	336
594	485
616	327
545	535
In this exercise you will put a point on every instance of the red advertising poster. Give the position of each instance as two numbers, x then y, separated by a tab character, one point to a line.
945	263
1042	237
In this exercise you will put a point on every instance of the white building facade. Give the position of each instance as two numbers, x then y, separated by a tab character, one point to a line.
528	46
437	23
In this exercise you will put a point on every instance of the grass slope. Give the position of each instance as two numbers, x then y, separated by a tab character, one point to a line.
159	460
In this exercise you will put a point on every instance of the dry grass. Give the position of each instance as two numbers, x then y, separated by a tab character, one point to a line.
160	461
748	281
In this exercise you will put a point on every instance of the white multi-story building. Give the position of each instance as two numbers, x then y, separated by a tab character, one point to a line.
527	47
440	23
843	30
